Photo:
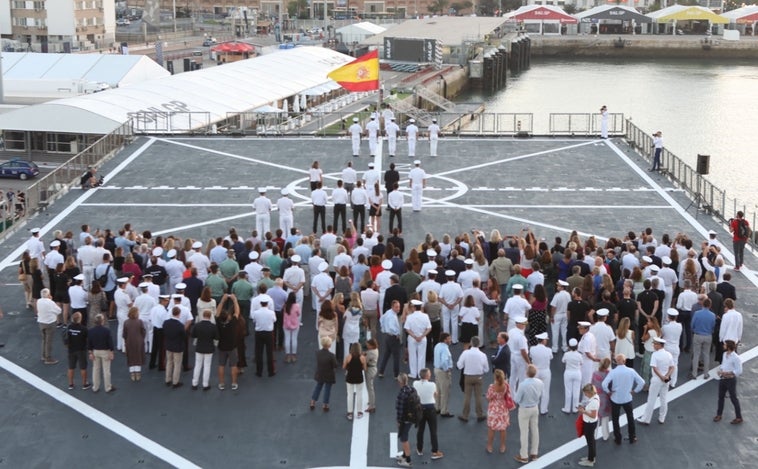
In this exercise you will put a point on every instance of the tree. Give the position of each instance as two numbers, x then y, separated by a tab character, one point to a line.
459	7
438	6
570	9
487	7
298	9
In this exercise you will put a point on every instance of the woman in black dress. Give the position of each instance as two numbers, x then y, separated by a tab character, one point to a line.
354	366
537	315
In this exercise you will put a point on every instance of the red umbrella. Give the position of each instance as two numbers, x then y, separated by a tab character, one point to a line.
233	47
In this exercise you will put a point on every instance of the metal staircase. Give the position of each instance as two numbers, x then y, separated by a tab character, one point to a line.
434	98
422	117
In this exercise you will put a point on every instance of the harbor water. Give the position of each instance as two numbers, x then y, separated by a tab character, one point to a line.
701	107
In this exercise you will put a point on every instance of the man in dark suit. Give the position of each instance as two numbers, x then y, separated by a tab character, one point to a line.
455	263
397	241
174	339
502	359
726	289
394	293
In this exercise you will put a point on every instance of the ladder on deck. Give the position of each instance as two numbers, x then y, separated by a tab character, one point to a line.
435	98
422	117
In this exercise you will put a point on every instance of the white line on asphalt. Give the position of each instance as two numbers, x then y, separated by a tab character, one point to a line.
13	257
100	418
203	223
359	441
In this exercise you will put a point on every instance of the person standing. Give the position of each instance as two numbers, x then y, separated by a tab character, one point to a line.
603	122
349	177
418	326
395	202
391	129
47	317
390	327
620	383
372	131
427	393
434	137
339	198
326	363
175	340
231	326
286	216
411	131
100	346
588	349
658	146
355	132
443	373
417	183
473	364
372	360
264	319
359	201
662	365
451	296
740	229
262	208
731	324
498	413
402	415
158	315
589	411
134	343
703	325
77	350
528	398
729	370
558	319
205	332
519	353
541	355
672	333
572	377
319	199
354	366
291	324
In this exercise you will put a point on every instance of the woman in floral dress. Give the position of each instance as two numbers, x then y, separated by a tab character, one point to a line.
498	414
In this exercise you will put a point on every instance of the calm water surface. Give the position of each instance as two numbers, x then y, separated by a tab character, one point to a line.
701	107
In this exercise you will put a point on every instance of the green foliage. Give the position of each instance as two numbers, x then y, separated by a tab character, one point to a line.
487	7
460	7
438	6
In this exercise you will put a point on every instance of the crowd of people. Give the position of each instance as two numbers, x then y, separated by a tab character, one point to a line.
513	303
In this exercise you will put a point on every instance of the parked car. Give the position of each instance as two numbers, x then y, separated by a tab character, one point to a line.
209	42
18	168
123	22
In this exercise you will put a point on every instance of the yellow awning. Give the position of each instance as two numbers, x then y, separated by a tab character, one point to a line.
694	13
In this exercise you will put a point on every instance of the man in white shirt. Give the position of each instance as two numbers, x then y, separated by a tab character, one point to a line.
541	356
411	131
588	348
604	336
672	333
473	364
451	296
47	317
349	177
359	201
371	177
662	367
145	303
355	132
286	216
264	319
519	353
669	281
262	207
123	303
430	284
731	324
434	137
339	199
418	326
395	201
35	246
558	318
417	182
391	129
319	198
516	306
52	259
427	393
322	287
200	261
429	265
294	279
467	277
685	303
372	129
78	297
175	270
88	260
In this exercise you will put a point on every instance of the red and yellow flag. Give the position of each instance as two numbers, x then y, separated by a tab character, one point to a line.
362	74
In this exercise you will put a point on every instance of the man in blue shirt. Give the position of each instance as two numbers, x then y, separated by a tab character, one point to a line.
620	383
443	371
703	324
390	327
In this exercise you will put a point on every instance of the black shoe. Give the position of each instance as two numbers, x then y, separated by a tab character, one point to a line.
168	383
206	388
194	387
112	389
178	385
632	440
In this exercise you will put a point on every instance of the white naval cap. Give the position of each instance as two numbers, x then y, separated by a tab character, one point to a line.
171	253
253	255
355	119
520	320
323	266
541	336
261	190
295	259
517	286
264	299
432	272
180	286
659	340
55	244
417	162
647	259
285	191
654	268
584	324
79	277
431	253
34	230
563	283
417	303
122	279
573	342
469	262
197	245
673	312
386	264
411	120
143	285
666	260
450	273
602	312
157	251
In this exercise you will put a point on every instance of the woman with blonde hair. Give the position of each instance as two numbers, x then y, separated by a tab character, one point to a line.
589	410
25	277
625	341
351	330
372	359
328	324
433	309
134	341
498	413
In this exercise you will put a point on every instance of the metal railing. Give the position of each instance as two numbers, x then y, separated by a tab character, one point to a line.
56	183
584	124
169	122
707	196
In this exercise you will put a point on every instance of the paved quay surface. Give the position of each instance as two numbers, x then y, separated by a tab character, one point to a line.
198	187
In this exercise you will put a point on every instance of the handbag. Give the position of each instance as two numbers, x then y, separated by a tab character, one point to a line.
579	426
509	404
21	274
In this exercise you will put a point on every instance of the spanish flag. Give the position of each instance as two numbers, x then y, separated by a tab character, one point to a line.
362	74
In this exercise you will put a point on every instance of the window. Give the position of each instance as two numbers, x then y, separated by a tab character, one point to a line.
14	141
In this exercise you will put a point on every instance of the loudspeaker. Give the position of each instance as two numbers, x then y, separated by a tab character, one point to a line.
703	164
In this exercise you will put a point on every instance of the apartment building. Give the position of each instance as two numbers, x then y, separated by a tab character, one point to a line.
59	25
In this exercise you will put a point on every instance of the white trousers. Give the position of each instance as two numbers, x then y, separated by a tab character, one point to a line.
356	145
262	223
450	322
417	192
202	363
675	355
518	371
416	356
657	389
392	145
411	147
285	223
433	146
559	328
545	376
588	367
572	386
372	146
354	391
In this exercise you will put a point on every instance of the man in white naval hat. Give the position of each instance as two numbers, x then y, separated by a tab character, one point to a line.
662	368
294	279
588	349
35	246
262	207
417	183
418	326
451	297
519	352
411	131
558	318
672	332
355	132
286	216
605	337
541	356
322	287
372	130
123	303
434	137
264	319
371	177
200	261
391	129
174	269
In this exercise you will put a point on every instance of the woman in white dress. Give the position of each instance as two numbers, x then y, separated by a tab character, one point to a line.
352	329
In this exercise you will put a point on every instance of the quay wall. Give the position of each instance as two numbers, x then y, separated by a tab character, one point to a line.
644	46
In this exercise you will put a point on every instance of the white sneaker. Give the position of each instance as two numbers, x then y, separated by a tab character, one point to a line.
587	463
404	463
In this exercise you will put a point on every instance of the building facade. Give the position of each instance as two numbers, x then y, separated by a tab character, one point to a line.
59	25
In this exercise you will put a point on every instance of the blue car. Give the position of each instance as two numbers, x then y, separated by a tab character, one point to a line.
18	168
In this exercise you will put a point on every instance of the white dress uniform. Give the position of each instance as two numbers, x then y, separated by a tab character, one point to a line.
36	248
572	380
201	262
425	287
145	303
604	335
392	129
517	342
355	131
559	324
541	356
671	333
286	216
175	270
323	284
587	344
516	307
87	255
434	137
412	132
372	128
450	292
294	276
662	360
669	280
262	207
349	178
122	301
371	177
417	323
417	178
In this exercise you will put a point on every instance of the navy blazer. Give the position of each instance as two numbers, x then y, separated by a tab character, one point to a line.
502	361
174	335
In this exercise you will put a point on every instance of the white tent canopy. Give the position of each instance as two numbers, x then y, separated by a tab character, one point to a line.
357	32
197	98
